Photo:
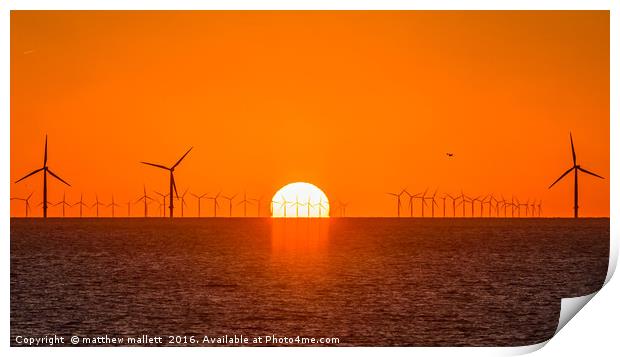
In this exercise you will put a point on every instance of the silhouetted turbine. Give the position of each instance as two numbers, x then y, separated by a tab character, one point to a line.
26	201
244	202
45	170
81	204
423	198
164	199
172	183
230	205
199	198
397	195
215	203
63	203
433	204
97	204
453	204
183	203
113	204
576	168
144	198
343	207
258	201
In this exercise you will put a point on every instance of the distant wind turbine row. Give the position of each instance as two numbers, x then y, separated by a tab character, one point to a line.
495	206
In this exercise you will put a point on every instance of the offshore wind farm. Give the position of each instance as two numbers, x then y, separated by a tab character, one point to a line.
405	201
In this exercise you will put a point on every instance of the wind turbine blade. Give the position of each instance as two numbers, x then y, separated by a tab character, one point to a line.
30	174
30	195
564	174
572	147
156	165
590	173
174	185
182	157
53	174
45	155
194	195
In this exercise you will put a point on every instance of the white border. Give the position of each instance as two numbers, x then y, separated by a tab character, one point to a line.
594	329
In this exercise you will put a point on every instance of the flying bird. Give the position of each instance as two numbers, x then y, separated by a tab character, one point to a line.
450	154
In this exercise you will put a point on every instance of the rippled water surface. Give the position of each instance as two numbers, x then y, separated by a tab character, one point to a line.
376	281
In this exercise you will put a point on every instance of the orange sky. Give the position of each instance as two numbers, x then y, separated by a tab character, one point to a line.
357	103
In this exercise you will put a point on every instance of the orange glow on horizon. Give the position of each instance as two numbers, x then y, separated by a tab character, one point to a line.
359	103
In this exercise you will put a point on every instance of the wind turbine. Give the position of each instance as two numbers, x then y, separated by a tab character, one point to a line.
63	203
283	204
164	204
503	204
297	204
258	201
172	183
433	204
453	204
113	204
319	205
26	201
473	205
463	200
343	207
482	201
97	204
199	198
490	201
423	198
576	168
397	195
411	197
144	198
230	205
45	170
159	207
518	207
245	202
527	207
215	203
539	208
81	204
183	203
444	204
128	208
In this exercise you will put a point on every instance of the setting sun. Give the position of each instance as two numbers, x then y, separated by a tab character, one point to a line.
299	199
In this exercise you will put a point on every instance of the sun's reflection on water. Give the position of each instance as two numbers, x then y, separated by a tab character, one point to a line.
299	236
